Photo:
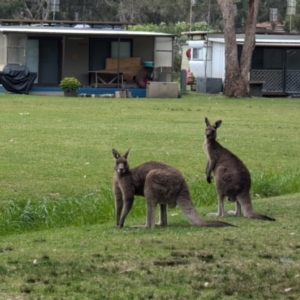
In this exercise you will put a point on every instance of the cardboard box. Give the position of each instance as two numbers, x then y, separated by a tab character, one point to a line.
124	62
162	89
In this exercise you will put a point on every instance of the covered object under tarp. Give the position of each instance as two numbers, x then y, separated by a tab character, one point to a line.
17	79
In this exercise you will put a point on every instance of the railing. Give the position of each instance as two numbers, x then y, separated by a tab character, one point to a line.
292	81
273	80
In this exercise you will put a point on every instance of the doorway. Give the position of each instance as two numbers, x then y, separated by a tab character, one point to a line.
44	58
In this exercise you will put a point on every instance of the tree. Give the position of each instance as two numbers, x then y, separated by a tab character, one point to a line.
236	72
264	10
9	8
36	9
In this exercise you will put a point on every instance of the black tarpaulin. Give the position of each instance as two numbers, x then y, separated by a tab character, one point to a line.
17	79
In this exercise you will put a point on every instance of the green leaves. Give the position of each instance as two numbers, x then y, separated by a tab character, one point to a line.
69	84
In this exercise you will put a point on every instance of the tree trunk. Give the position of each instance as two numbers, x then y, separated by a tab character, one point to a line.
236	82
249	43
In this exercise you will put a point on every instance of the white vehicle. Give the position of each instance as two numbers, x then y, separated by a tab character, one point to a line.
203	65
200	60
204	57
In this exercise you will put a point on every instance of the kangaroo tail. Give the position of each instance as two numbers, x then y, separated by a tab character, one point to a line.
193	217
260	217
247	208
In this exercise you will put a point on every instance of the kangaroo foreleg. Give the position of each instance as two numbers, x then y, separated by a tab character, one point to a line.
209	168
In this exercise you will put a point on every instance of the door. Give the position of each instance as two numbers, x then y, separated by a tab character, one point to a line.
33	57
99	51
268	66
292	77
50	61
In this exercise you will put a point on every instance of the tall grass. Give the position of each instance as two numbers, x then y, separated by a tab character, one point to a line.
23	215
57	167
275	184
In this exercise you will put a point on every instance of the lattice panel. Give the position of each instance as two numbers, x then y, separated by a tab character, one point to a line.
273	79
292	81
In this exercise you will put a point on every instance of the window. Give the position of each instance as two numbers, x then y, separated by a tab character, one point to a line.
267	58
293	59
273	58
202	53
16	49
33	56
125	49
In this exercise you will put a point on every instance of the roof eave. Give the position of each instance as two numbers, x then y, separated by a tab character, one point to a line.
78	31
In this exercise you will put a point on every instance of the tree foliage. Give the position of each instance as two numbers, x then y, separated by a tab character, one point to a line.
10	8
145	11
177	29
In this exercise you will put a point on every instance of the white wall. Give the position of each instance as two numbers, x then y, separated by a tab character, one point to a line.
218	60
3	51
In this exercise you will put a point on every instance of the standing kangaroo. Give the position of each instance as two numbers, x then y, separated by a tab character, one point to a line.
232	176
159	184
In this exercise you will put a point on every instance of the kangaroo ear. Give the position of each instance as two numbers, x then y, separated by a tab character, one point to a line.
115	153
126	154
206	122
218	124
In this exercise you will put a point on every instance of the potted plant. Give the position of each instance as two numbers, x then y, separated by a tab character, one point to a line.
70	85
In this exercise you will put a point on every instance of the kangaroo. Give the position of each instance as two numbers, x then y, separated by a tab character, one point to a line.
231	175
159	184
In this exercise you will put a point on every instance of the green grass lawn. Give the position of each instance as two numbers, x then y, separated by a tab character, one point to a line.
58	239
256	260
57	167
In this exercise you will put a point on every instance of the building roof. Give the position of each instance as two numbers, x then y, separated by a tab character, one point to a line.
78	31
65	23
49	27
262	39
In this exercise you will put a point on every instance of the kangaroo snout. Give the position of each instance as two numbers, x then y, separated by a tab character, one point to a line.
121	168
210	133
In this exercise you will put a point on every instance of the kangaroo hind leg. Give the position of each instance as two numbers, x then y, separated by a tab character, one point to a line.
221	211
151	196
150	220
118	203
163	218
126	209
238	208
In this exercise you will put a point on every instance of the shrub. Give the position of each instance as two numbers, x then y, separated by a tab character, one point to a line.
69	84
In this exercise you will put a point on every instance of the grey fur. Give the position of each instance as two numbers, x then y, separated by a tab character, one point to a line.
159	184
232	177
